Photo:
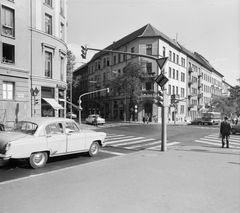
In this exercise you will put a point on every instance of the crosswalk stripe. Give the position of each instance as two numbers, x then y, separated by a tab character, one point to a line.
110	152
139	141
211	143
144	145
122	140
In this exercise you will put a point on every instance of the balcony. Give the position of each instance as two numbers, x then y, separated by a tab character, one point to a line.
149	75
190	82
148	93
190	69
199	75
200	95
190	106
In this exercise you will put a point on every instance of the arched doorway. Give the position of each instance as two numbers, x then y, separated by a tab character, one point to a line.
148	111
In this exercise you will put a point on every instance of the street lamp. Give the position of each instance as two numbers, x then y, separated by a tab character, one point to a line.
87	93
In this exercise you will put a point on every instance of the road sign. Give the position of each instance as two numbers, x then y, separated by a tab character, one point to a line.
161	80
161	62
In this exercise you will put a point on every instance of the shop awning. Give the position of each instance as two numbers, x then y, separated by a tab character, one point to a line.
53	103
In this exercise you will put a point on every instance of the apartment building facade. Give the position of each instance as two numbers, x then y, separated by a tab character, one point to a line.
192	79
33	58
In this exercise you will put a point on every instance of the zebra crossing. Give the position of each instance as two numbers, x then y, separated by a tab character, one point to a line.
133	142
214	140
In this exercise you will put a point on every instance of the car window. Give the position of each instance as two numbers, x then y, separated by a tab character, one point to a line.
70	126
25	127
54	128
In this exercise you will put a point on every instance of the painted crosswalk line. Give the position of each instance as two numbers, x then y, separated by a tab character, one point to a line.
133	142
214	140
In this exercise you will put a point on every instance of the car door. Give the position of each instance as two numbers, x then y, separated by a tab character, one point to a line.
75	138
56	138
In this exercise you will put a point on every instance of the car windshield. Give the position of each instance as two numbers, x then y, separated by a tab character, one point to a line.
25	127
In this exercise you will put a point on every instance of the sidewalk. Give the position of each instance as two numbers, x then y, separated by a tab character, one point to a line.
193	179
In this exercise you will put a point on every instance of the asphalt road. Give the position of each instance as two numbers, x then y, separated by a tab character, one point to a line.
142	135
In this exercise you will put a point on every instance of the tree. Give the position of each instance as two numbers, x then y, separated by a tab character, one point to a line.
129	83
228	105
72	82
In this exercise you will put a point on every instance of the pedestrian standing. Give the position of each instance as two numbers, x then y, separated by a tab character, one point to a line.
144	119
225	129
147	119
95	121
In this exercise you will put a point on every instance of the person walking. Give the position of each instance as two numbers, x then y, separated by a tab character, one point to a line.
95	121
225	129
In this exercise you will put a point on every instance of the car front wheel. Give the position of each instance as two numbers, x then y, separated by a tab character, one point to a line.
94	149
38	160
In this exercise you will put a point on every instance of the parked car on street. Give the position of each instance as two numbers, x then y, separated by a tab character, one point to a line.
74	116
90	119
196	121
37	139
235	129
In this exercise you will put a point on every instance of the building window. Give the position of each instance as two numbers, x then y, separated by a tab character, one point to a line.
114	60
173	57
183	62
176	90
48	24
108	61
177	77
7	22
170	55
182	109
48	2
8	90
48	64
182	77
149	67
169	89
164	51
177	59
62	7
170	72
8	53
148	86
62	69
149	49
119	58
182	92
132	51
173	73
62	31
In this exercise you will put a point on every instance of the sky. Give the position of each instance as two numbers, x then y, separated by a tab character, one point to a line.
208	27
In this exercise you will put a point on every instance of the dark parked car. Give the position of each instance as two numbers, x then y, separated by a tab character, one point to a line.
235	129
196	121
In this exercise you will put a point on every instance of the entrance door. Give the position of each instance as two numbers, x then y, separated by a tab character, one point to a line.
148	111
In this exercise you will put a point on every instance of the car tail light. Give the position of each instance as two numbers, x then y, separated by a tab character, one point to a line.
7	146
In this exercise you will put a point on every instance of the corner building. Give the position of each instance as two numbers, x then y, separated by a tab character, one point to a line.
33	59
193	82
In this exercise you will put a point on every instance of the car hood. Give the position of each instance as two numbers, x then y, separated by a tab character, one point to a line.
8	136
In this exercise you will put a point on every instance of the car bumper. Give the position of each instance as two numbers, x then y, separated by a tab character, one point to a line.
5	157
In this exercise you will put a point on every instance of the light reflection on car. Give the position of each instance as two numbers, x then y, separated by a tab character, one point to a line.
37	139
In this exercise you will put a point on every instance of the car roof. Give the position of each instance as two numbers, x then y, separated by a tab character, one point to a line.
44	120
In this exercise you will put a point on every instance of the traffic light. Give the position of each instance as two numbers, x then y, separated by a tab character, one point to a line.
158	100
84	52
35	101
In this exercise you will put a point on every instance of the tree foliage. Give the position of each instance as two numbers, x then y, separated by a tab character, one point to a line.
228	105
71	80
129	83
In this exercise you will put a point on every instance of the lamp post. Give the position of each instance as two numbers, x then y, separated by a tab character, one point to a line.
87	93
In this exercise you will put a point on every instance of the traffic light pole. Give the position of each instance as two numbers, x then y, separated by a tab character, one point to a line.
87	93
160	64
164	121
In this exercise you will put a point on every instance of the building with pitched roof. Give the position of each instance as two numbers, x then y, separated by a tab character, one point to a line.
191	78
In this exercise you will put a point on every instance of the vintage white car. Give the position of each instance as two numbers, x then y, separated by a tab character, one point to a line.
37	139
90	119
